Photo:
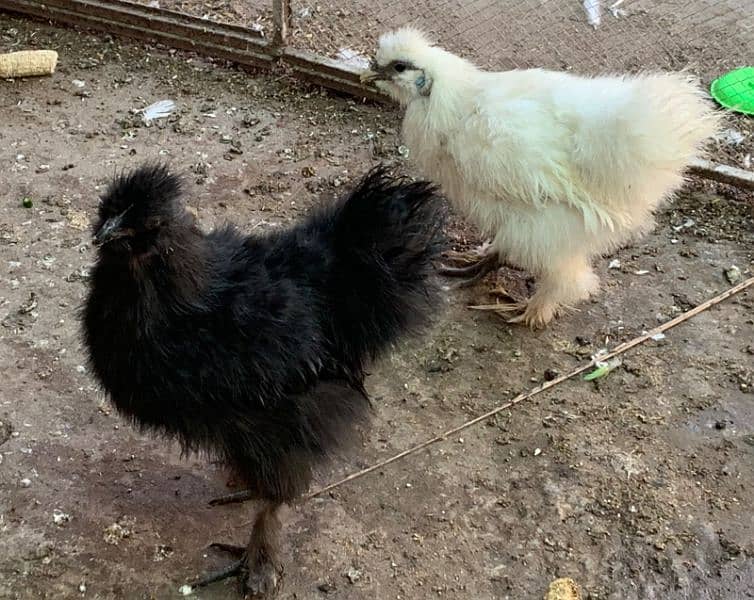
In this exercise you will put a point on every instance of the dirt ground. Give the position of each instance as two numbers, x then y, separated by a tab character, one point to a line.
638	486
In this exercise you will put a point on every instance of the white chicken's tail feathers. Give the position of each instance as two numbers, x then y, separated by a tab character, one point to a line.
684	116
657	125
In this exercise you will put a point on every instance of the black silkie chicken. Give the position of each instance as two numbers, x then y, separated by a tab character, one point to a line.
253	348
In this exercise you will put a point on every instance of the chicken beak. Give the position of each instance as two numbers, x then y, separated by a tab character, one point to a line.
108	230
368	76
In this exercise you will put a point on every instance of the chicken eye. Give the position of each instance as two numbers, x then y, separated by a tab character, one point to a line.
399	67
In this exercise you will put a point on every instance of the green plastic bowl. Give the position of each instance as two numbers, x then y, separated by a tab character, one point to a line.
735	90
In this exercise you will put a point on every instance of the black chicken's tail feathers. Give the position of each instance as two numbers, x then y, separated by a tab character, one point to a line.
387	233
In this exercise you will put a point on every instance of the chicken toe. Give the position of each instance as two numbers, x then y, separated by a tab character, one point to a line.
537	313
241	496
231	570
476	270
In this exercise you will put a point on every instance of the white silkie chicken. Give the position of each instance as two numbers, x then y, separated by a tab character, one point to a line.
555	168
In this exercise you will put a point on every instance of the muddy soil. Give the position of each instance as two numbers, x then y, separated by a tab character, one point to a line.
638	486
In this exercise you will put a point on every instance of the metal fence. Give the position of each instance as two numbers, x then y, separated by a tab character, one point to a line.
589	36
708	36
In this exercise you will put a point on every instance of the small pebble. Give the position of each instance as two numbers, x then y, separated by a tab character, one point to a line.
551	374
59	517
733	274
353	575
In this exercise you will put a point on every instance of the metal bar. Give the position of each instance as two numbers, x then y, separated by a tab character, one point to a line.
281	19
329	73
228	42
723	174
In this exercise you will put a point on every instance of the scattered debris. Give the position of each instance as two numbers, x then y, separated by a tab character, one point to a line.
59	517
602	368
352	58
658	336
685	225
119	531
616	11
614	264
641	272
731	137
27	202
593	10
551	374
161	552
403	151
78	219
733	274
25	482
78	83
353	575
537	451
327	587
563	589
185	590
29	306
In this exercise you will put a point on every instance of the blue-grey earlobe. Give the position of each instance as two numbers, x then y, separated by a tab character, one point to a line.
423	85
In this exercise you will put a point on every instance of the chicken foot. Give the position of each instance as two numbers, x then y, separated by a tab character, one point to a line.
488	262
257	567
559	288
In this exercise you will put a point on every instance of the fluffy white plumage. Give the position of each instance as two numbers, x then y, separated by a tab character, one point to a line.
554	167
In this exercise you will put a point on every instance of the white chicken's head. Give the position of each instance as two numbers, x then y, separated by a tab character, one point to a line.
401	66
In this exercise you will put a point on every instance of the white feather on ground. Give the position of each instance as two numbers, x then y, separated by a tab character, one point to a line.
158	110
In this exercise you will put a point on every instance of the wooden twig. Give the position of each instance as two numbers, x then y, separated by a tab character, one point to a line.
620	349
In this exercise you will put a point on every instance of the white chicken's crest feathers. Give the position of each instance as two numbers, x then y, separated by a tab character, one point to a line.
406	39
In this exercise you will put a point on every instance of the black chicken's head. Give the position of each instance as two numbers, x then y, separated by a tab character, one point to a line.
136	208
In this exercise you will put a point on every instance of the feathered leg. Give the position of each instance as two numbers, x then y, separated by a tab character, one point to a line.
257	568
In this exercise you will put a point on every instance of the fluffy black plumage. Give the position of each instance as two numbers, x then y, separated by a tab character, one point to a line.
253	348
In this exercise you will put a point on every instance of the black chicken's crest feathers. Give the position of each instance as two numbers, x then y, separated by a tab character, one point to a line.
147	190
